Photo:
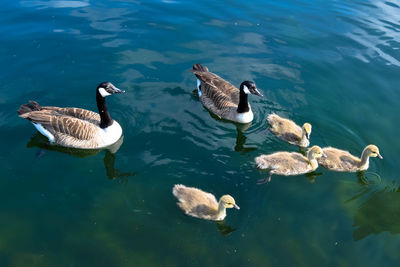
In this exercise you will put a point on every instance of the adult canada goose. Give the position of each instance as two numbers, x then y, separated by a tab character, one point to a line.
76	127
343	161
289	131
199	204
222	98
286	163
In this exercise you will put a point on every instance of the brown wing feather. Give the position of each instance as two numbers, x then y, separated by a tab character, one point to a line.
212	82
58	124
79	113
218	95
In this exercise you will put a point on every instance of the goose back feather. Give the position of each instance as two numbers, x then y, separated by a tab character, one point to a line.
76	127
221	97
217	95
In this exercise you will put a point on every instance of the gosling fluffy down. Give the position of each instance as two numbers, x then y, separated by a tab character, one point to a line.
289	131
343	161
286	163
203	205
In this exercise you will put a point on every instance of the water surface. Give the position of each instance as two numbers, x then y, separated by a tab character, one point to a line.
333	64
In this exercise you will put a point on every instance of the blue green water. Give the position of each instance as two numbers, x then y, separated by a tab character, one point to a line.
334	64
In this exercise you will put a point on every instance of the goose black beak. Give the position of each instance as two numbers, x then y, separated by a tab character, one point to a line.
236	207
118	91
256	92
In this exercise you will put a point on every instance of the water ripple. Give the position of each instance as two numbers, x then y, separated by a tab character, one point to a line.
376	28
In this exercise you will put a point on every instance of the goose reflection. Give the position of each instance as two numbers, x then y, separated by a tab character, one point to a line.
112	173
241	128
241	139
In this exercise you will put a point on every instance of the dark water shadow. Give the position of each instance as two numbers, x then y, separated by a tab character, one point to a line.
312	175
224	228
303	151
379	213
176	91
112	173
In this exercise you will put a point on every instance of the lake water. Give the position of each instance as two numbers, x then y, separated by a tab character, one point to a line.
334	64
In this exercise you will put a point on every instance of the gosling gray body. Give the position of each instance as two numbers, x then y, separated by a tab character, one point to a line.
290	163
203	205
289	131
342	161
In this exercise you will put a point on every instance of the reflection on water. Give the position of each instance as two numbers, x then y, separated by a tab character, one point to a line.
241	139
241	128
224	228
312	175
112	173
380	213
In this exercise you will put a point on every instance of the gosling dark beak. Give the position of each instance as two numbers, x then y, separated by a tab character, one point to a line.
324	155
380	156
118	91
256	92
308	136
236	207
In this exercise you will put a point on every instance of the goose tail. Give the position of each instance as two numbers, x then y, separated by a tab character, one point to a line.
199	67
26	108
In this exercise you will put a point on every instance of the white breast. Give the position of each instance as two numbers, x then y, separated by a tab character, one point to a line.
111	134
245	117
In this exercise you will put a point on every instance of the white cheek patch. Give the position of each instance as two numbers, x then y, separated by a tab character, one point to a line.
103	92
245	89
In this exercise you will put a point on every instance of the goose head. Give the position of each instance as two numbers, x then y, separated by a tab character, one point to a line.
315	152
306	130
228	202
107	88
372	151
249	87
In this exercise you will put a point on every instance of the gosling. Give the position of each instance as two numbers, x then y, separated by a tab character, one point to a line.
289	131
343	161
203	205
286	163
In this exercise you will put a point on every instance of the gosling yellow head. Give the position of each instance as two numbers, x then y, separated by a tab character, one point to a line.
228	202
307	130
316	152
373	151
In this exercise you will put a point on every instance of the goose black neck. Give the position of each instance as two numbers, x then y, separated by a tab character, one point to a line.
243	102
105	118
